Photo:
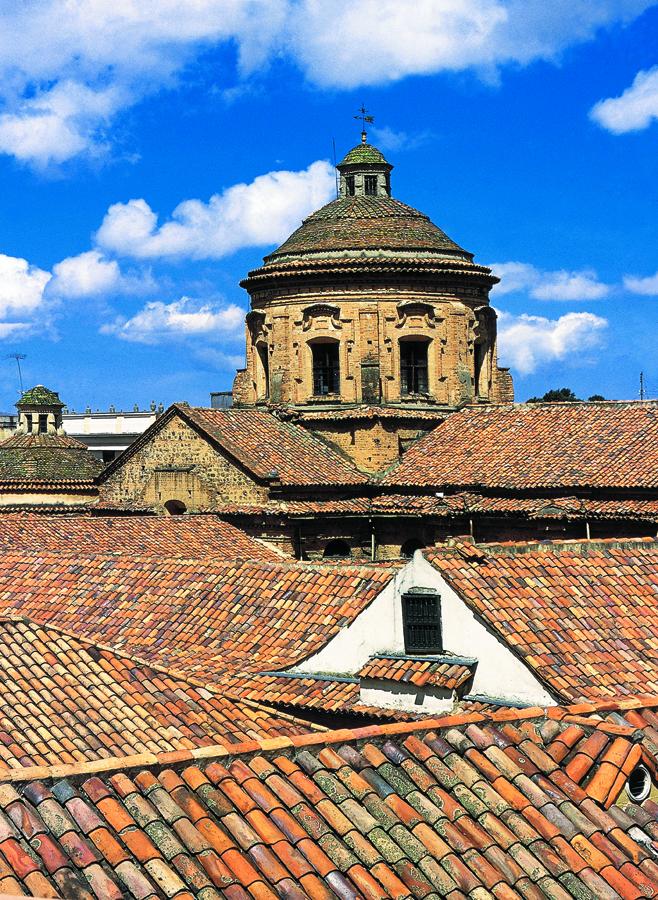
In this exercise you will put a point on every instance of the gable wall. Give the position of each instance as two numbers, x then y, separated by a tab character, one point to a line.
212	477
378	629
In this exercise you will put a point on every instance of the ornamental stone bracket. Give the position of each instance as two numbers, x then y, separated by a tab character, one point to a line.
423	313
315	314
257	325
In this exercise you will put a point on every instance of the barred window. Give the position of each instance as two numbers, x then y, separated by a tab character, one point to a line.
413	367
421	620
326	369
370	185
349	185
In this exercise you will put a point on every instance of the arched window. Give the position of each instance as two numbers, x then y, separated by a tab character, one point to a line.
337	550
175	507
413	367
326	368
421	621
410	546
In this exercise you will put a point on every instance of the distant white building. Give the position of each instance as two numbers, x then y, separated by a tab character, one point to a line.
109	433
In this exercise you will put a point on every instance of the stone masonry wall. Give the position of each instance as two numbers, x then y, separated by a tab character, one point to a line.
178	464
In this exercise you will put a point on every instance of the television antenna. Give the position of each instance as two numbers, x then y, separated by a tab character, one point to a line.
18	357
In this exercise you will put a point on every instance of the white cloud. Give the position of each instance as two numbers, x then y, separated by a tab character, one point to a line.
379	41
392	141
647	287
91	274
526	342
21	286
634	110
86	275
58	124
183	318
68	68
548	285
244	215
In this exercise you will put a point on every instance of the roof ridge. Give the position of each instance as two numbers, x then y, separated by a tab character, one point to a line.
327	738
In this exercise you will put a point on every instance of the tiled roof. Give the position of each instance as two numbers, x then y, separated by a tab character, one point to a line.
198	614
438	672
306	691
161	536
583	615
64	700
537	445
368	223
48	458
269	448
363	153
40	396
460	807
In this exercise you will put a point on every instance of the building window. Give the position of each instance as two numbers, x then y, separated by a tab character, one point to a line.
28	422
409	547
175	507
264	371
43	423
370	185
638	786
337	550
413	367
421	621
326	369
349	185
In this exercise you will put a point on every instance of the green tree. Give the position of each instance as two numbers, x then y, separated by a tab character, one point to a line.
596	397
557	395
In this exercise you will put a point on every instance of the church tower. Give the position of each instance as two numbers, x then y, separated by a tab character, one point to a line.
370	313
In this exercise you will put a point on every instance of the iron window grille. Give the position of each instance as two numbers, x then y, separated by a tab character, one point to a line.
413	367
349	184
370	185
421	622
326	369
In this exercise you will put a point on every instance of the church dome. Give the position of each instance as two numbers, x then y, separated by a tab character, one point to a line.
363	225
364	228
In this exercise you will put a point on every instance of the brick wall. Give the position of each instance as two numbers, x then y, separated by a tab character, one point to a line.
178	464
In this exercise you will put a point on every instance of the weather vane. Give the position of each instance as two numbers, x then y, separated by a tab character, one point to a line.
365	120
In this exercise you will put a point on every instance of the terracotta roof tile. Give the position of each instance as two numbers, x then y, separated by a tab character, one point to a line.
583	615
197	614
421	672
535	445
393	810
169	536
66	700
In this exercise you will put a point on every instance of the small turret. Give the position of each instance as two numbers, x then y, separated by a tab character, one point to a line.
365	172
40	412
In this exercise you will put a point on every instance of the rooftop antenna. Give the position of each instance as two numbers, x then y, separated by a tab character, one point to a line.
642	388
366	119
333	141
18	357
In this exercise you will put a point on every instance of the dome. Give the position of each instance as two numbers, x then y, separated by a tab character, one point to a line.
46	458
358	226
364	154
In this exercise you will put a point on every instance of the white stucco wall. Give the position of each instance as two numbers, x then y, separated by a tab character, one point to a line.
390	695
378	629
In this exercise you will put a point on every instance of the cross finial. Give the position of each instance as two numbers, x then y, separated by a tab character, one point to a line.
365	119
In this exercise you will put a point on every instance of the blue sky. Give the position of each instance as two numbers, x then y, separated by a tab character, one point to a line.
152	152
